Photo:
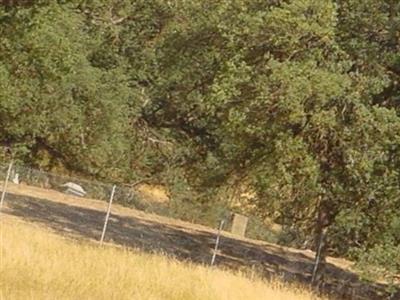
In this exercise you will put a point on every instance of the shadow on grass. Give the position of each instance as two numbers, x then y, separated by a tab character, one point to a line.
191	245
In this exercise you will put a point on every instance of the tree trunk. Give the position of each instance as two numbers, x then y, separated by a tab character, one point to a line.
320	246
317	279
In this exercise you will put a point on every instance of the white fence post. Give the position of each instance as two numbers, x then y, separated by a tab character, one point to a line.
221	225
107	216
3	193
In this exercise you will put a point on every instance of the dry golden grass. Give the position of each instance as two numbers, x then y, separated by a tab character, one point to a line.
38	264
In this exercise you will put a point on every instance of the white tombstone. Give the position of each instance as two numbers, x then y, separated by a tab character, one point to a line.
16	178
74	189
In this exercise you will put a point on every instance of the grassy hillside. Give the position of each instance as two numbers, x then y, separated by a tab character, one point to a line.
38	264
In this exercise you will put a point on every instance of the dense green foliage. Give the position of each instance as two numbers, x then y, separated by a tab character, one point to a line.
296	102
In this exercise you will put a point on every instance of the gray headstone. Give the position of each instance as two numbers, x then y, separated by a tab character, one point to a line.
239	224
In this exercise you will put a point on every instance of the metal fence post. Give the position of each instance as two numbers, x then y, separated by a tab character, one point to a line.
5	184
107	215
221	225
317	258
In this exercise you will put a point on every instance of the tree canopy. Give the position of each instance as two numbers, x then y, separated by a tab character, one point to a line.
296	101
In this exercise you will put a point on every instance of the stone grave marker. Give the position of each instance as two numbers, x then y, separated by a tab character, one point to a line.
239	224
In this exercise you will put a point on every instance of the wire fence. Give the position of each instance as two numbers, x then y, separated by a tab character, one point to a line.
22	179
131	197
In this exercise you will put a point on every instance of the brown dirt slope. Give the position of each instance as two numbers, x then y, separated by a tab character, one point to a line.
81	217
